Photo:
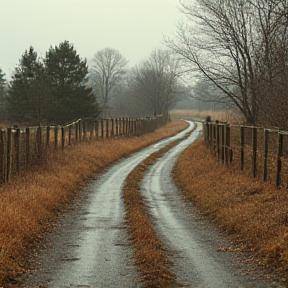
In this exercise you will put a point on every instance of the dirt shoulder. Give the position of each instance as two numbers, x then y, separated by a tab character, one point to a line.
31	203
250	212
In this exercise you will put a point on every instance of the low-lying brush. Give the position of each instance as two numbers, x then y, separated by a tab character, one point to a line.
30	203
253	213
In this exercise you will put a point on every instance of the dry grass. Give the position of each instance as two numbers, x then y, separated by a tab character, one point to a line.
151	257
253	213
224	116
30	203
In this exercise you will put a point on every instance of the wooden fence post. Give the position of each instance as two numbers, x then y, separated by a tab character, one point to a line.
17	148
242	148
254	151
9	153
47	136
229	150
107	128
91	129
69	134
222	143
80	130
102	129
112	128
27	132
55	138
266	135
3	157
217	141
62	137
279	162
97	129
116	127
39	142
76	132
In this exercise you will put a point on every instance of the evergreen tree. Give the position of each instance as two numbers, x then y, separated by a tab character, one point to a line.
3	92
29	98
67	73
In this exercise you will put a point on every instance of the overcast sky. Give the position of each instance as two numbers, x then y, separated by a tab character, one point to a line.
133	27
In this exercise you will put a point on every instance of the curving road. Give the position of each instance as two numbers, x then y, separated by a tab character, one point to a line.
90	249
194	243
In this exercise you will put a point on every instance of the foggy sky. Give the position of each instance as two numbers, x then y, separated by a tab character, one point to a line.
133	27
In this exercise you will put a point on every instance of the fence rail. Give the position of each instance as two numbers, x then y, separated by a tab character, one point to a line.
21	148
261	152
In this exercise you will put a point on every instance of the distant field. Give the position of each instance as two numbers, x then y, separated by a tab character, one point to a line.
225	116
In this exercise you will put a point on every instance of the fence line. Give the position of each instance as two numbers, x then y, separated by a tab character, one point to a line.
261	152
22	148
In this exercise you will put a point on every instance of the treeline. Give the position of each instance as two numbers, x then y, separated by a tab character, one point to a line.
52	90
238	50
61	88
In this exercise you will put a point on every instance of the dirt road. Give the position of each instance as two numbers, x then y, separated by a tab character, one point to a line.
90	248
194	243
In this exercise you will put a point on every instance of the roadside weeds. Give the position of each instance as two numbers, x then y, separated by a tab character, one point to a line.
31	202
252	213
151	257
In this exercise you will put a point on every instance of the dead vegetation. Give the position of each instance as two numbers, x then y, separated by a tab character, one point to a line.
223	116
150	255
31	202
253	213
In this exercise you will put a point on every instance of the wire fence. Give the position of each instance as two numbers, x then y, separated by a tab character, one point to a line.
21	148
261	152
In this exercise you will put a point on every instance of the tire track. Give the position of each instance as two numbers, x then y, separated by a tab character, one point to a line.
91	248
192	240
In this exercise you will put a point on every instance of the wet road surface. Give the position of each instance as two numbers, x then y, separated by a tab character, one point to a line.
90	249
193	241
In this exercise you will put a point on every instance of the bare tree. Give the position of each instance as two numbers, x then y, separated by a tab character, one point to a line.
223	41
155	82
107	71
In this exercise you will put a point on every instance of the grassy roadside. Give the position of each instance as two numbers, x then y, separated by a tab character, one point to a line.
152	259
30	203
253	213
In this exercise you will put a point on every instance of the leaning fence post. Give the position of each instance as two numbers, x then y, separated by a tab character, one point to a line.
279	162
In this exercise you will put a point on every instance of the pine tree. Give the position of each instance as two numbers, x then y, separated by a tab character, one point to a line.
68	76
29	98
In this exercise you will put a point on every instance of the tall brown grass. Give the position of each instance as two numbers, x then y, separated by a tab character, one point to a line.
253	213
151	257
30	203
229	116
